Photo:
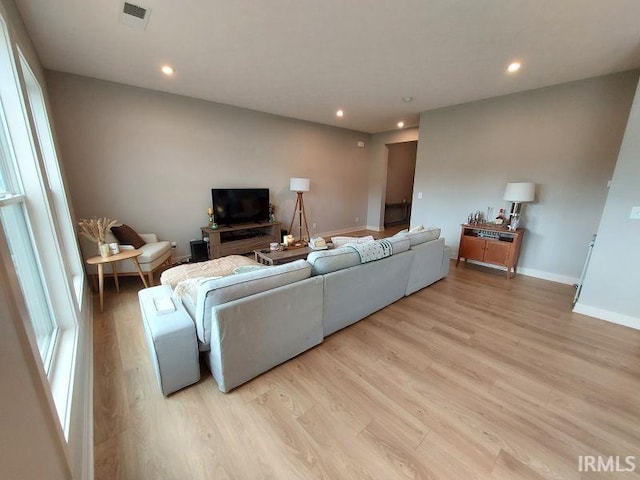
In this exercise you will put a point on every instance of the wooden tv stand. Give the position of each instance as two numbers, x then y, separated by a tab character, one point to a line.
241	239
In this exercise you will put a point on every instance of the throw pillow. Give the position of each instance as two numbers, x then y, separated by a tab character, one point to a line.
419	228
127	236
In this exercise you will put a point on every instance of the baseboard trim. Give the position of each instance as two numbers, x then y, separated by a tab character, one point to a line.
531	272
554	277
375	228
607	315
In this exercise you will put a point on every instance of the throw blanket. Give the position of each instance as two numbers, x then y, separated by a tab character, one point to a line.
374	250
220	267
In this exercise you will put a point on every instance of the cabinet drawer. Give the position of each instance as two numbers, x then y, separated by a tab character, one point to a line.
240	247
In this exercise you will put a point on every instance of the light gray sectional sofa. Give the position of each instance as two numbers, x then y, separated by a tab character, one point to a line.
248	323
354	290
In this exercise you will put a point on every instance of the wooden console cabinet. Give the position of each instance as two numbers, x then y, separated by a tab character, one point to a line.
491	244
241	239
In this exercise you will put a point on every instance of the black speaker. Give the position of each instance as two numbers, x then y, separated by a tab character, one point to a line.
199	251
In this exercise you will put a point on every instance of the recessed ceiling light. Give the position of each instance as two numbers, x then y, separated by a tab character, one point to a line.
339	113
407	99
167	70
400	124
513	67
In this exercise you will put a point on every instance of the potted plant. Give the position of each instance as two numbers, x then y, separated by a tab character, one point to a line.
95	229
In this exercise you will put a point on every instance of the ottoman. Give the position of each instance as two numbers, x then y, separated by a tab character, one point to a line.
171	337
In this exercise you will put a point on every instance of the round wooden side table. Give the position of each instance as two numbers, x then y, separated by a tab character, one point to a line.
112	259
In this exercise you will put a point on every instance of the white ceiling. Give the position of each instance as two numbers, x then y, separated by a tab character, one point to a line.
307	58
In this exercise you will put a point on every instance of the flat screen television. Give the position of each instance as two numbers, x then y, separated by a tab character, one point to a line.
240	205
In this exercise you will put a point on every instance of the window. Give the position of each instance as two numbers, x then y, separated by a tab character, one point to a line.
30	278
35	219
20	243
55	182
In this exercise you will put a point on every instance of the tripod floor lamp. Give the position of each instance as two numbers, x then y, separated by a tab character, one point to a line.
299	185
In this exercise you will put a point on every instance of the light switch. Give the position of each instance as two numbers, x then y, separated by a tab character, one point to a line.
419	195
635	213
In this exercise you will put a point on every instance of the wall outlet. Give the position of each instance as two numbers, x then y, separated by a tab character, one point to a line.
357	219
174	244
419	195
314	226
635	213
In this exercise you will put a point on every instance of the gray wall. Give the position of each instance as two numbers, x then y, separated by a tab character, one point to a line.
612	283
563	138
378	157
150	159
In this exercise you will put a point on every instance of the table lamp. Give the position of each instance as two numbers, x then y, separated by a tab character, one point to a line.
299	185
518	193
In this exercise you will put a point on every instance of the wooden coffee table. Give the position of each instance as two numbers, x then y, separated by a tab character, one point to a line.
278	257
112	259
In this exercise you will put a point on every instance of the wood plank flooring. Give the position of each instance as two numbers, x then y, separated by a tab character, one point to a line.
474	377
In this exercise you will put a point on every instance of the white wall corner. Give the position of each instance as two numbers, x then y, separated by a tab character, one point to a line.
607	315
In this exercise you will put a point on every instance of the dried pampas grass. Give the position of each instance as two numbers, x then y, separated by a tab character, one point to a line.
96	228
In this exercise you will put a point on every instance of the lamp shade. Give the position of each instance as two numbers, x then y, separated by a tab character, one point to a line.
520	192
299	184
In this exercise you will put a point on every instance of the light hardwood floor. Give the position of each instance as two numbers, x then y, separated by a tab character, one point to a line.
474	377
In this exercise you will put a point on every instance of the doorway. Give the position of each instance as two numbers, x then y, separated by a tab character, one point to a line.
401	169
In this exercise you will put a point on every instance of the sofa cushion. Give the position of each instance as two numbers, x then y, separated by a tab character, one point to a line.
152	251
226	289
420	236
127	236
342	241
399	244
326	261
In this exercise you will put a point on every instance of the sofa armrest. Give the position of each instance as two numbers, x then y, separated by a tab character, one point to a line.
171	339
428	266
254	334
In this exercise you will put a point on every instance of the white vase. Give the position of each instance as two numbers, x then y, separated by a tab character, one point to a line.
103	248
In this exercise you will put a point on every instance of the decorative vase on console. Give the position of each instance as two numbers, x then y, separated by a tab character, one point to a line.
272	211
212	223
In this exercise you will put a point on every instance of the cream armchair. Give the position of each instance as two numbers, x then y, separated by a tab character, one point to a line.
155	255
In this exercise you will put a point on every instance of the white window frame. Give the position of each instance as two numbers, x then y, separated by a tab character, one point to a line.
58	194
23	138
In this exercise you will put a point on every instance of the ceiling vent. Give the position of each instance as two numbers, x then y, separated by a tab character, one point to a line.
134	16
